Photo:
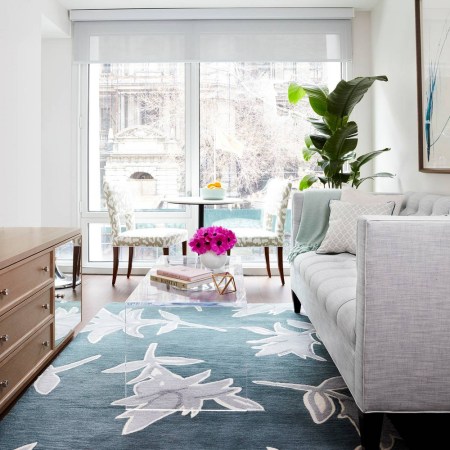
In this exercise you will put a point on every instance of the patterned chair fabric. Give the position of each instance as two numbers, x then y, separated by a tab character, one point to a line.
121	215
271	232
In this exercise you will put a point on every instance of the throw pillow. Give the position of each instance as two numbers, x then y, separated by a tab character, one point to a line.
366	198
341	234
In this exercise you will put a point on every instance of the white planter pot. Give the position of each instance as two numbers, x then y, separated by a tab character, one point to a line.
212	261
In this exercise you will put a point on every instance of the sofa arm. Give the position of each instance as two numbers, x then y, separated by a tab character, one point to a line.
402	354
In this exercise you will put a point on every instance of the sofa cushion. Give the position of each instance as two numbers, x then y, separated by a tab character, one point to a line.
332	281
341	234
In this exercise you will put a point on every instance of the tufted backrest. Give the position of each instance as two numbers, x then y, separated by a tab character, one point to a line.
414	204
423	204
120	207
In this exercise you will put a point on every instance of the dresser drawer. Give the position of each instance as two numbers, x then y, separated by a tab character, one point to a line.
19	367
23	320
20	280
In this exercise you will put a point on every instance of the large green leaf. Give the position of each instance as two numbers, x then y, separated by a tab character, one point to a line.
341	178
348	93
295	93
323	180
342	142
307	181
364	159
308	141
332	168
333	122
357	183
317	96
318	140
307	153
319	125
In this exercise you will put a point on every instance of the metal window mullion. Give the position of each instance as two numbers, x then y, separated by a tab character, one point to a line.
192	139
82	133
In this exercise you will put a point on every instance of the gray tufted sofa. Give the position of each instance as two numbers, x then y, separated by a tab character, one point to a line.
384	314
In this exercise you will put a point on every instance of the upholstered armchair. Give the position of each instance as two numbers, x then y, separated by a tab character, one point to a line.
121	215
270	232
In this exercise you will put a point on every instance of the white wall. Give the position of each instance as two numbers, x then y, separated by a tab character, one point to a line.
395	102
362	67
20	113
34	178
59	156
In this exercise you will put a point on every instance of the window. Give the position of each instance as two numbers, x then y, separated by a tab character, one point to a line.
143	129
136	133
249	132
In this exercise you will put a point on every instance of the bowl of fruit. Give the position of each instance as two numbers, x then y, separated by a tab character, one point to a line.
213	191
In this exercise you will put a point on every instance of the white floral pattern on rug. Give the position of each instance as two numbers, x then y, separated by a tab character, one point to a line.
167	393
27	447
149	363
106	322
65	321
130	322
172	322
49	379
318	400
262	308
283	341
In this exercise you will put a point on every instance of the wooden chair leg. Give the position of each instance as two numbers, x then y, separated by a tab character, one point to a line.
280	264
76	265
183	248
79	263
115	264
370	425
130	260
166	251
296	301
266	254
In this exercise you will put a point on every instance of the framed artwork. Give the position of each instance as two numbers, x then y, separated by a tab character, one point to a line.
433	84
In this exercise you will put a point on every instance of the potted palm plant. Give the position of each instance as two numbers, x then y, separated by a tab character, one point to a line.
335	137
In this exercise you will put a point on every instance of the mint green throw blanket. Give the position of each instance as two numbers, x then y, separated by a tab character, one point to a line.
314	220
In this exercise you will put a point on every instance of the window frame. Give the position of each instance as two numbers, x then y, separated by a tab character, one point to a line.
192	145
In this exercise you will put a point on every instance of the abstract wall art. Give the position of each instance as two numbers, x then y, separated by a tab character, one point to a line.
433	83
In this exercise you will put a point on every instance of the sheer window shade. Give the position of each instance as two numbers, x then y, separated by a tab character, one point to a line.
130	41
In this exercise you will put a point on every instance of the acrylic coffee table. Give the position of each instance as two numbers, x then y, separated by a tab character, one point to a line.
161	356
149	292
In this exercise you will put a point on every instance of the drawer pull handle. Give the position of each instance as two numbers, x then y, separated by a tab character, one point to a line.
46	269
46	306
59	295
46	343
4	338
4	292
4	383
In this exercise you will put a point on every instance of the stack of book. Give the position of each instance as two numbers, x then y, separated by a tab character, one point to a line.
182	277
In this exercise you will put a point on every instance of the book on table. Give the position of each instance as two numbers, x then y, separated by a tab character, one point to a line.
184	273
181	284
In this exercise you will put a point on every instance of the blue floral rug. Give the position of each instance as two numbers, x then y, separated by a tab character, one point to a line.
195	378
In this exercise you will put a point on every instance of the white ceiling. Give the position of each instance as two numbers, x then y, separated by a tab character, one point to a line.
129	4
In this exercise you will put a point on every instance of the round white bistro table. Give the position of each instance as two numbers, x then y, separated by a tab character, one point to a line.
201	204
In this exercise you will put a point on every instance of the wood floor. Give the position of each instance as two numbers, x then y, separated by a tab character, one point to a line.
98	290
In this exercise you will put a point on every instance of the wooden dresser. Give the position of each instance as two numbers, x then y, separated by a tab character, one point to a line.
27	304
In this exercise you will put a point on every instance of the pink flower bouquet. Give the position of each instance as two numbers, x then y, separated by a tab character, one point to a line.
215	239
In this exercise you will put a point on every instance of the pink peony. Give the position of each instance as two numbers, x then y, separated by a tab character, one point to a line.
217	239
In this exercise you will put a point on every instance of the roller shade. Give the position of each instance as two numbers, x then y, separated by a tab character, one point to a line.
212	40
